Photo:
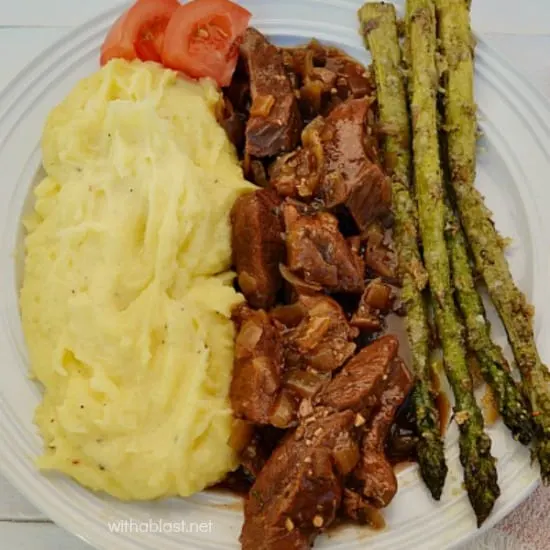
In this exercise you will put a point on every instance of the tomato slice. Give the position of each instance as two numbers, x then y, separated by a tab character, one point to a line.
139	32
203	38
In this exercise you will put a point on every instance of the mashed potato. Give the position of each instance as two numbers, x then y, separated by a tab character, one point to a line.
126	295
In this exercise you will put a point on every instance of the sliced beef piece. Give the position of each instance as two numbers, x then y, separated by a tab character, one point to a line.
374	471
258	368
379	256
297	494
377	300
359	385
334	430
295	174
323	340
281	512
318	253
274	124
258	246
350	177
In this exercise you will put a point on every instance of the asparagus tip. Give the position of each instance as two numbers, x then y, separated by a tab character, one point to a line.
433	468
480	475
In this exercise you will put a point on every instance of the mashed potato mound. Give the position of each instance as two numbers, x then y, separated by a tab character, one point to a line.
126	295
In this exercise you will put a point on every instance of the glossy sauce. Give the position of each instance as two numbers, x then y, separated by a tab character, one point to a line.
443	405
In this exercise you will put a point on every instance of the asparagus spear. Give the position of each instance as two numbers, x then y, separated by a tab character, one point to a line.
379	26
516	314
512	405
480	475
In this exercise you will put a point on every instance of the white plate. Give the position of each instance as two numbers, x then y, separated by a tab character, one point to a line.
513	170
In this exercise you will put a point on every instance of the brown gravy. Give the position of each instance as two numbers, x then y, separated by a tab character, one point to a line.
443	405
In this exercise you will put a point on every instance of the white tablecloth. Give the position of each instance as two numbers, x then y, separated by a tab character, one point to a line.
518	29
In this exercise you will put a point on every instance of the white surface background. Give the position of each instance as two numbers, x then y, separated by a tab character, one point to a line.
518	29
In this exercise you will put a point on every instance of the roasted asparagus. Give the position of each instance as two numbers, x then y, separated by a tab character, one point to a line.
379	27
512	405
486	245
480	475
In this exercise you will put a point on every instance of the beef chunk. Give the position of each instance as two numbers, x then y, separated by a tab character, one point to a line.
337	166
298	492
274	124
318	253
325	76
376	300
258	367
374	471
257	390
323	340
258	247
350	177
360	383
295	174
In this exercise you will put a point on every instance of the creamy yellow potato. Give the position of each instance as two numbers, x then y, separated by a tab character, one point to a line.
126	295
